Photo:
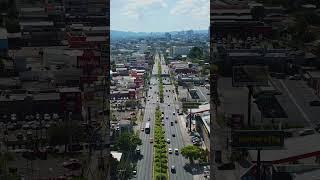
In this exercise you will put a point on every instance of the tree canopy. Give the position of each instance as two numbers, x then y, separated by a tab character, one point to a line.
191	152
195	52
128	142
59	135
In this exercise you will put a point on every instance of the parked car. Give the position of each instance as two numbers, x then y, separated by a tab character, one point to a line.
317	128
227	166
168	141
138	151
295	77
314	103
72	164
306	132
151	140
170	151
19	136
173	135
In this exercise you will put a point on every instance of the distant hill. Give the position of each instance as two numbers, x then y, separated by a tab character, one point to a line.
127	34
115	34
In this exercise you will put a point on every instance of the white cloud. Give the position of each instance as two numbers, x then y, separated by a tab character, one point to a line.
136	8
198	9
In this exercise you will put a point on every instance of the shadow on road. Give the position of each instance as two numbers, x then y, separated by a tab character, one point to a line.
194	169
137	158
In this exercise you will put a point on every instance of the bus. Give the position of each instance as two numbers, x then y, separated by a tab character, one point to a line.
147	128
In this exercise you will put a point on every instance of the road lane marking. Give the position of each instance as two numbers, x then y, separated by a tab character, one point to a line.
298	106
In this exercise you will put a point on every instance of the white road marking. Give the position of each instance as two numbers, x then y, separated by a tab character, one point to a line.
298	106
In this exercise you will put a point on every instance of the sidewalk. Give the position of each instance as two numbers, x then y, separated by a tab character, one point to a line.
187	141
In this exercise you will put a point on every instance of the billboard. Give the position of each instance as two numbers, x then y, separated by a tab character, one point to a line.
190	105
249	75
258	139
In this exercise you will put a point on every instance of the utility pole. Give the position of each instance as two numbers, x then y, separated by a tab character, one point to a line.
190	119
249	105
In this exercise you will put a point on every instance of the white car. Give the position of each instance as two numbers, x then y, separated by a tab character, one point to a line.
168	141
176	151
170	151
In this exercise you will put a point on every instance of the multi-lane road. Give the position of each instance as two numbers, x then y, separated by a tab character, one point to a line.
144	166
177	142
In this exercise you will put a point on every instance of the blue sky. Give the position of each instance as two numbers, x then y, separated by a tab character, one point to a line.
159	15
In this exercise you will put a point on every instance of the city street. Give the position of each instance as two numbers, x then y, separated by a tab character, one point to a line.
144	165
175	142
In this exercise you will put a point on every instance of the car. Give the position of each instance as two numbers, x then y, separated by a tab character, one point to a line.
151	140
175	121
306	132
227	166
170	151
167	118
35	127
19	136
174	113
173	135
206	174
176	151
168	104
25	127
47	117
134	172
72	164
138	151
142	129
314	103
295	77
29	134
168	141
47	126
173	169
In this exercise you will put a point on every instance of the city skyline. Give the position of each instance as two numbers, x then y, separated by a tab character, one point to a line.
159	15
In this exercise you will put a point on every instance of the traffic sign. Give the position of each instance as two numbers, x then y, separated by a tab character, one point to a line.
258	139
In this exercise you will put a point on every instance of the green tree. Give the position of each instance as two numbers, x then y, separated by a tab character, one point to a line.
131	103
12	25
60	134
191	152
128	142
195	52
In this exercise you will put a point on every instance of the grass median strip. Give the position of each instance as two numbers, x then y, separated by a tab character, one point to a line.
160	158
160	82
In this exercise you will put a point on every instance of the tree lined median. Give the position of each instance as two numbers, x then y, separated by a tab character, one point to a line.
160	83
160	161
